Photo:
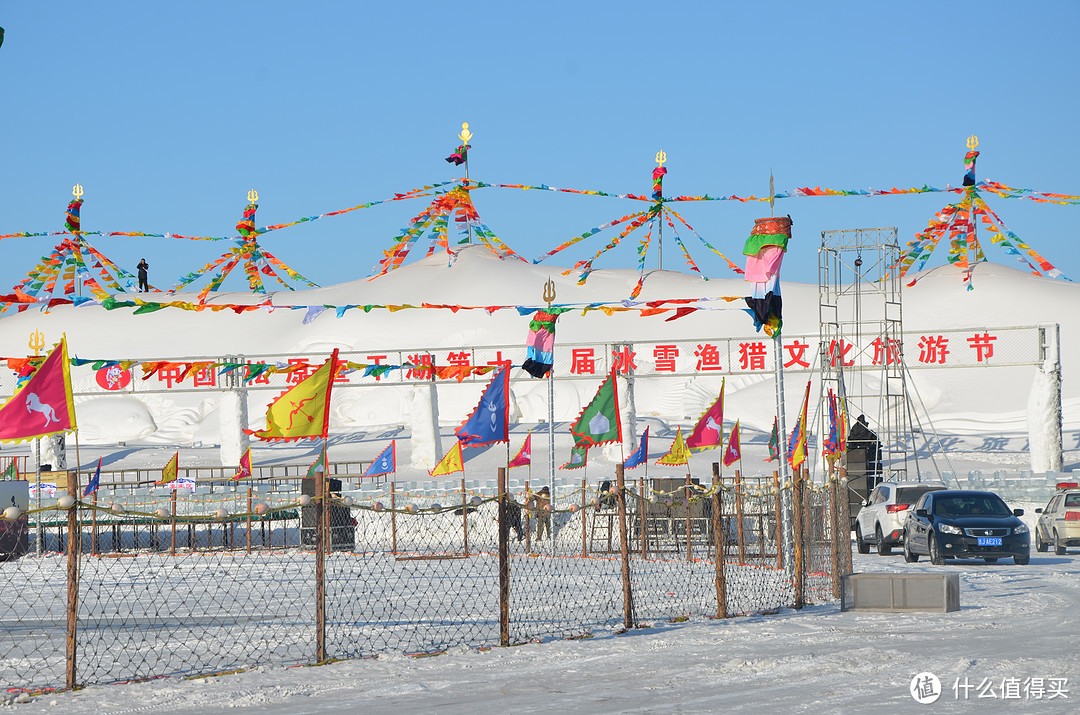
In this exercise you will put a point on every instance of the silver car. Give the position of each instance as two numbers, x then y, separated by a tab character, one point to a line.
880	522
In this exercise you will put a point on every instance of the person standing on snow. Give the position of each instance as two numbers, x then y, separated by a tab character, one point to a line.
543	514
144	286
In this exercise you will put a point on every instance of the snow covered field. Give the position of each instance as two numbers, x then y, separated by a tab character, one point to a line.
1015	622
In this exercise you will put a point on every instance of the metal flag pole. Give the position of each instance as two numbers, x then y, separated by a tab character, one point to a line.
788	532
465	135
658	195
549	298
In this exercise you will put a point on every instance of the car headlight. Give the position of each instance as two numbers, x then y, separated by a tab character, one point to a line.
949	529
1022	529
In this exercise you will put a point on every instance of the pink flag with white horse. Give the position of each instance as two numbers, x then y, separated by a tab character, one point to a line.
43	406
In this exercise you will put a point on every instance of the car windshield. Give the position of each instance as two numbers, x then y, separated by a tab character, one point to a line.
970	505
1072	500
909	495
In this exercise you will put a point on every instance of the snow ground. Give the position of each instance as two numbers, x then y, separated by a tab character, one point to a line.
1015	622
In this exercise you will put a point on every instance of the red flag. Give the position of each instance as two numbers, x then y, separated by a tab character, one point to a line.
709	430
44	405
734	451
524	456
245	466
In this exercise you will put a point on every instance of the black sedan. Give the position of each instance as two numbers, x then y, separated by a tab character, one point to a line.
966	525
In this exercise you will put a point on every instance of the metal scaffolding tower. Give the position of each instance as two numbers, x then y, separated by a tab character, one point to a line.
861	327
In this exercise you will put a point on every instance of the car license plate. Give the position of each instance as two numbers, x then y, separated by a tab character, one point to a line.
989	541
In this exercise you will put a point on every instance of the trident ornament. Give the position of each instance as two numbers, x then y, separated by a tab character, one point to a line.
77	190
253	196
972	142
465	134
37	340
549	292
661	157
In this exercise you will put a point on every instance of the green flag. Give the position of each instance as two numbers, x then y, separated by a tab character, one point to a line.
579	456
318	466
12	471
774	441
599	422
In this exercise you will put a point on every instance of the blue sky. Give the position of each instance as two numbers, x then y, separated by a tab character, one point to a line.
167	113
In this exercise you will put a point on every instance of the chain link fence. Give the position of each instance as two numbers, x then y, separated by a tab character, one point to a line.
158	584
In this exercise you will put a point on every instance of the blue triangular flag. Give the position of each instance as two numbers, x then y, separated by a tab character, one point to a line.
93	485
640	454
385	463
489	421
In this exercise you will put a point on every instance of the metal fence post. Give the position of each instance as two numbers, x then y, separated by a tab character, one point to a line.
624	551
797	533
74	551
719	543
504	563
320	568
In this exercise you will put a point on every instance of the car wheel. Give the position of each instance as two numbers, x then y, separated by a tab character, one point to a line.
1040	545
864	548
909	555
1021	560
883	549
1059	548
991	559
936	557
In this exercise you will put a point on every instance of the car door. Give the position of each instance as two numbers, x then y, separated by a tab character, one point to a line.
866	514
1046	519
916	526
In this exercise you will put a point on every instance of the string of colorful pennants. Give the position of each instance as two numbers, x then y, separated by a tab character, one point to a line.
75	260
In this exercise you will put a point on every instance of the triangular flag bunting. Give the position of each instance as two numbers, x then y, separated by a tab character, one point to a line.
385	463
489	420
709	430
450	463
640	454
733	453
169	471
244	472
579	457
523	458
302	411
94	481
678	454
797	442
600	422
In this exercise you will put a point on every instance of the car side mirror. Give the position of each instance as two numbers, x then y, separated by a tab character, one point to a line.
1039	510
1018	512
921	512
866	503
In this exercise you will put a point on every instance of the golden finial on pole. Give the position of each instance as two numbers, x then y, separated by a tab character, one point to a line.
465	135
661	157
549	292
253	196
77	190
37	341
972	142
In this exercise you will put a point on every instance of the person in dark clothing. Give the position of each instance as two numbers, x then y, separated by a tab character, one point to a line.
144	286
862	437
513	519
607	499
543	514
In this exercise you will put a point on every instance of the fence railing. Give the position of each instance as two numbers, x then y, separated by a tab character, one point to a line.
197	584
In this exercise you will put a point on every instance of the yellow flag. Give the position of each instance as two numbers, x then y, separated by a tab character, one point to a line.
678	454
302	411
169	471
451	463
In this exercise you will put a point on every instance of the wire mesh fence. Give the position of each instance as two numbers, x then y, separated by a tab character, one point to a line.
163	583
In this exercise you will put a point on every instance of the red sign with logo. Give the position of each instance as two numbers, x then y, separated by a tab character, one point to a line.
113	377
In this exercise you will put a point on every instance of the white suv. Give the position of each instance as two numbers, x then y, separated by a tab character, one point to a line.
881	520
